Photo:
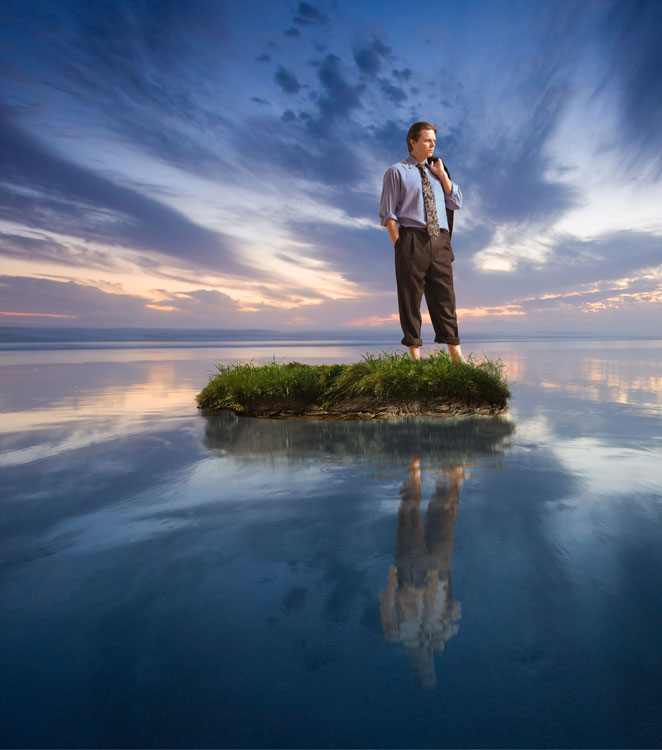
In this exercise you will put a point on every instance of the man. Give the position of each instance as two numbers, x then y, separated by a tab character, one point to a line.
415	197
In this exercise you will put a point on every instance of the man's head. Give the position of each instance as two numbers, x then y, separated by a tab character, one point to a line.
421	139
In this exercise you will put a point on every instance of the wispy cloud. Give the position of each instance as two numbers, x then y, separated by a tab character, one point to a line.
49	193
633	62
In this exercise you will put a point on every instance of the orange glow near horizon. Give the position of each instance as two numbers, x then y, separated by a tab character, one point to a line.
374	320
482	312
462	312
36	315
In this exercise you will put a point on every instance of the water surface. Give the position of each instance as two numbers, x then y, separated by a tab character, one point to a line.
174	579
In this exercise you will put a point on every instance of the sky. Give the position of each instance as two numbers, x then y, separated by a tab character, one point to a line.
212	164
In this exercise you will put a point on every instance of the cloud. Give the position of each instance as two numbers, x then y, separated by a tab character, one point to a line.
287	80
388	140
87	305
151	53
141	69
292	32
363	257
175	145
381	49
338	96
308	15
403	75
393	93
328	164
620	260
518	164
500	135
632	50
48	250
47	192
315	145
39	301
368	59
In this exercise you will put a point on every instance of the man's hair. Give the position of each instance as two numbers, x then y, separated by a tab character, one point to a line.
415	131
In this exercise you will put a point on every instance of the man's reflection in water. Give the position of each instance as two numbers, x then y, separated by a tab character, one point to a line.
417	607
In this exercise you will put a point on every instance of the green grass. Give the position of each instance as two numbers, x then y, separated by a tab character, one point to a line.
389	378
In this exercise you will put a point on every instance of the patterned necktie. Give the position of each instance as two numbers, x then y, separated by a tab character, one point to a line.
430	206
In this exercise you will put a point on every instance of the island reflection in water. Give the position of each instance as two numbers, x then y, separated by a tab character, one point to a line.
417	608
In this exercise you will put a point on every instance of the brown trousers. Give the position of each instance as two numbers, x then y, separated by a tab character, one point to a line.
423	266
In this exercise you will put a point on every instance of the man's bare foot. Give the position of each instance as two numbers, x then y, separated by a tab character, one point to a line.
415	352
455	350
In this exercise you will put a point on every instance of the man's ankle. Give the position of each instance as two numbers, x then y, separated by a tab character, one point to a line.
455	350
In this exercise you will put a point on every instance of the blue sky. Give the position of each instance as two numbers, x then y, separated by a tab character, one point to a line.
216	164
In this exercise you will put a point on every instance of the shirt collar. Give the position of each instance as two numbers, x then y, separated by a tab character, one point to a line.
412	163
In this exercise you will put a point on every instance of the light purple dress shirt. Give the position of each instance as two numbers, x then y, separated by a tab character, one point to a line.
402	196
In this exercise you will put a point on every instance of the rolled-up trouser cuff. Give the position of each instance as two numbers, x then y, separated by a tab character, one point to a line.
452	340
412	342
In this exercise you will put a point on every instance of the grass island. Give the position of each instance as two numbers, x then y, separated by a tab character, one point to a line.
389	385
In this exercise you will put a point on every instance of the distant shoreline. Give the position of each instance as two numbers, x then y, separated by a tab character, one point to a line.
23	338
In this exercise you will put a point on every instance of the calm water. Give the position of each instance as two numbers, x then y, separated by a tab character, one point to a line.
171	579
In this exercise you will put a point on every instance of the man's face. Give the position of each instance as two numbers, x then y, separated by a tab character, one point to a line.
424	146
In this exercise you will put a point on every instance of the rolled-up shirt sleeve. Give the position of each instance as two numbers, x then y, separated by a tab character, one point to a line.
454	199
390	196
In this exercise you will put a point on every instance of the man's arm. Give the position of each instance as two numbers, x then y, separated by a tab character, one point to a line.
389	203
393	230
452	192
